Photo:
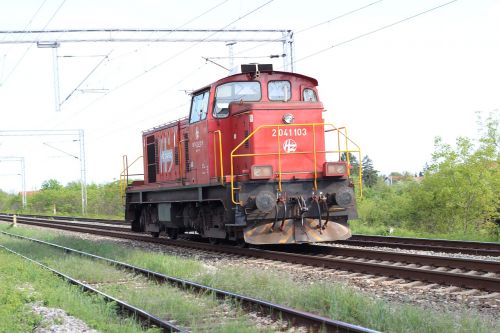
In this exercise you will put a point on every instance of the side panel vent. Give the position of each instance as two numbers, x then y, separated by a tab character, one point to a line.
247	143
186	151
176	155
152	158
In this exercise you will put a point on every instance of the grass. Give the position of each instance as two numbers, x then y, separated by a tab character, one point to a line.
326	298
343	303
23	283
194	311
189	310
358	227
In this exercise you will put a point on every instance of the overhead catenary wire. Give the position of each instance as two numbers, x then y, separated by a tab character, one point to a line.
338	17
26	51
178	28
158	65
136	50
154	67
150	100
86	78
316	25
374	31
60	150
32	17
248	57
355	38
28	48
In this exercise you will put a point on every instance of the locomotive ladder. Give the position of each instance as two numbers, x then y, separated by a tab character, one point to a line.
125	174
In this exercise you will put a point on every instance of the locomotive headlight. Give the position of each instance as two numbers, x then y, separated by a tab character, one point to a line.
335	169
288	118
261	172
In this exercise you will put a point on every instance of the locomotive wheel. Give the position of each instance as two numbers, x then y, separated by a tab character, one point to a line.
136	223
155	234
241	243
141	225
136	226
213	241
172	233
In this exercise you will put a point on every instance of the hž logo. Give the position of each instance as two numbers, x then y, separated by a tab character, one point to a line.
289	146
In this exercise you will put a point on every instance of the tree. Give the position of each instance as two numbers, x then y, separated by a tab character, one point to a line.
370	175
51	184
459	191
353	162
461	187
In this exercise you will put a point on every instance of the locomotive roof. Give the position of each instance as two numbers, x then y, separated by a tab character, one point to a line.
231	78
235	77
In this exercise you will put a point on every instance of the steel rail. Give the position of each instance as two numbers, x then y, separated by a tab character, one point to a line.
424	244
420	259
147	318
82	224
407	258
421	274
69	218
294	316
433	241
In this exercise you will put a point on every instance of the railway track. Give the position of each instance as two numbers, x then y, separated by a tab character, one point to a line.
426	244
423	244
148	319
465	273
68	218
311	321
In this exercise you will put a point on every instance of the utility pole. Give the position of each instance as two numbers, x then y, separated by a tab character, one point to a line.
81	138
83	172
55	69
230	45
22	174
288	50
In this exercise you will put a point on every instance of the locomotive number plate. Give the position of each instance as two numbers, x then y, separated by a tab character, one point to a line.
289	132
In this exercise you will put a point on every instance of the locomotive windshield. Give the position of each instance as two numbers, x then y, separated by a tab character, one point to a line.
279	90
234	91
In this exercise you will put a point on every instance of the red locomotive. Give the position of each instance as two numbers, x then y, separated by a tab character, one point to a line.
248	164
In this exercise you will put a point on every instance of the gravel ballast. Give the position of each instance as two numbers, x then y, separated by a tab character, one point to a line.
435	297
58	321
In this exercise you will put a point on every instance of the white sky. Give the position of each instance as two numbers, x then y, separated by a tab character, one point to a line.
395	90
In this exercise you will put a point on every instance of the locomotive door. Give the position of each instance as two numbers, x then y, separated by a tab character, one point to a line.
196	141
168	154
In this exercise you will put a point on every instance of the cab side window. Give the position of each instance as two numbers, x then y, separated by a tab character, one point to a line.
309	95
199	107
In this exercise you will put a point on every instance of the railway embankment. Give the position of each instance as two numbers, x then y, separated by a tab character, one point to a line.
390	306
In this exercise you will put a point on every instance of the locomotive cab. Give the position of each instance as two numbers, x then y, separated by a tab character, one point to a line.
252	161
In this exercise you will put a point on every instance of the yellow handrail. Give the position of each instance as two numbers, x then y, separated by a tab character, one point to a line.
124	176
314	155
314	152
279	163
